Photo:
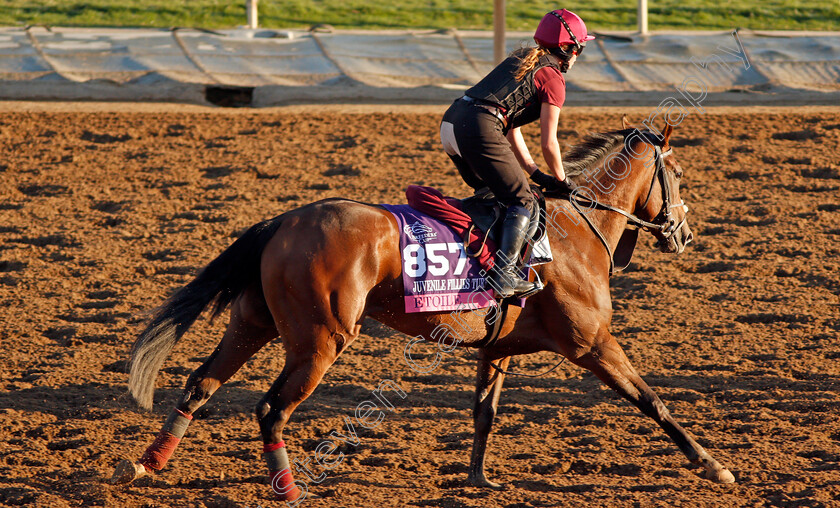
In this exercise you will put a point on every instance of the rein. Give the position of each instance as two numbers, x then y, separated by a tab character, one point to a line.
667	227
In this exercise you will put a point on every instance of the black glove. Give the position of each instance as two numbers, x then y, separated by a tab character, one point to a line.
551	184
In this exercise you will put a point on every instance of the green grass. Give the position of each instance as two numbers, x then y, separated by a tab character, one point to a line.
422	14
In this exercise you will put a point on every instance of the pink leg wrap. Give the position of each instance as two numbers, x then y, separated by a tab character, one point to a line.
159	452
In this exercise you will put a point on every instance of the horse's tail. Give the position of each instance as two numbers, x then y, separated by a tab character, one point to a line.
220	282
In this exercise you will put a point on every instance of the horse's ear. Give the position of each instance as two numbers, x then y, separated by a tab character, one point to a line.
666	133
625	123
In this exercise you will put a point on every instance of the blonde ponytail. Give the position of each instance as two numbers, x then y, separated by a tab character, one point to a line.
529	61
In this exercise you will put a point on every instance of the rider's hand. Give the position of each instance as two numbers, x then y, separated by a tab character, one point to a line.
551	184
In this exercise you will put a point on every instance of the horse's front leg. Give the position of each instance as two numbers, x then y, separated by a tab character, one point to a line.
606	359
488	387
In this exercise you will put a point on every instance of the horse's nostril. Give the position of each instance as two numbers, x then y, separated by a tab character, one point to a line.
689	238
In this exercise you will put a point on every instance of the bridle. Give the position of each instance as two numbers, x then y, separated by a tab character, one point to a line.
664	222
667	226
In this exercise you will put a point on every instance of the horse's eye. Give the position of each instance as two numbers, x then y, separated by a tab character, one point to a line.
678	173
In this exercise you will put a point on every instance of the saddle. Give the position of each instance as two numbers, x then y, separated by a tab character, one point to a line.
482	212
487	215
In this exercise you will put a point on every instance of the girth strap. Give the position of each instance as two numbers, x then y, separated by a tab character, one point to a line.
494	328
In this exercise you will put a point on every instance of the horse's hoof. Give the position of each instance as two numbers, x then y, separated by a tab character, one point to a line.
721	475
482	481
127	471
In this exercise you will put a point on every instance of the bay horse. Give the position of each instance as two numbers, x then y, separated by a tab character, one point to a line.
313	274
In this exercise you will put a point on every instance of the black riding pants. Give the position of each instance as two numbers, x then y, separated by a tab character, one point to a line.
482	153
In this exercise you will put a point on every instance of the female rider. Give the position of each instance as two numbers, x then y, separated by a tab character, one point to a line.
481	133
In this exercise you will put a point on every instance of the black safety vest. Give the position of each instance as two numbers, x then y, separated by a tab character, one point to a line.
517	99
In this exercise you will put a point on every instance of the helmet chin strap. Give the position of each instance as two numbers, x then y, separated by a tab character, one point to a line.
563	56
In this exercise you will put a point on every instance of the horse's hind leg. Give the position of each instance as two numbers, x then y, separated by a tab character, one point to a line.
316	326
300	376
250	328
488	387
606	359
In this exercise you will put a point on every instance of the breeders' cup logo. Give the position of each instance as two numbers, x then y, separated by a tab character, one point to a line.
419	232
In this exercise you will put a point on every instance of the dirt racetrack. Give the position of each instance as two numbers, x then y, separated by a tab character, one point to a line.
107	209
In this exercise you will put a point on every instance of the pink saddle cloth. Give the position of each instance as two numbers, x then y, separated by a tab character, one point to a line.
448	210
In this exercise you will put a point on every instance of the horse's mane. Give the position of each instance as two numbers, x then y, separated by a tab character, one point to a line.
595	146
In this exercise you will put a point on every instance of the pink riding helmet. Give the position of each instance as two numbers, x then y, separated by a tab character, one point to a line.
551	32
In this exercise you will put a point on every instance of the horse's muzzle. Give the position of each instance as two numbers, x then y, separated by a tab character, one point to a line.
682	237
675	242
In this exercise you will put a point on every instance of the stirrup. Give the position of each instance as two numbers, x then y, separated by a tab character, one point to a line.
538	285
497	285
537	288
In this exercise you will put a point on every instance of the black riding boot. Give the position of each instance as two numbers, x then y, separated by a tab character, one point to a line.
504	278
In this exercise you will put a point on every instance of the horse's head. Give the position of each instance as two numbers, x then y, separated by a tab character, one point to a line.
660	202
634	173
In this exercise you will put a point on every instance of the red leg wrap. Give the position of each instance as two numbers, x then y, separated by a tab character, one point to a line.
159	451
283	485
166	441
272	447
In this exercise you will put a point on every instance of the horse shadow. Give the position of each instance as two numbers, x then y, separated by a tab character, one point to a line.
85	425
95	401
